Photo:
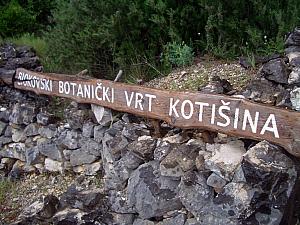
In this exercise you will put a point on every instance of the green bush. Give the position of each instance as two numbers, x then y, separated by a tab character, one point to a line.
177	54
14	20
24	16
105	36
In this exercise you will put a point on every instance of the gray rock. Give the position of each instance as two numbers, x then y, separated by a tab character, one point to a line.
294	77
69	216
99	133
88	130
25	62
76	118
115	145
33	156
8	131
295	98
216	182
91	146
181	159
69	140
31	130
134	131
117	164
194	193
2	127
48	132
6	164
4	115
225	158
15	151
44	118
294	59
291	49
123	219
82	199
143	147
103	115
5	140
150	193
143	222
236	199
81	156
118	201
50	150
18	135
293	39
162	149
38	211
192	221
262	90
275	70
22	114
178	220
17	170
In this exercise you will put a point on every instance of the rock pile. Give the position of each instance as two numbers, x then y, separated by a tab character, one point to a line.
278	80
13	57
182	178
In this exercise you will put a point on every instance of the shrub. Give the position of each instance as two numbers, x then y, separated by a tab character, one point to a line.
24	16
105	36
177	54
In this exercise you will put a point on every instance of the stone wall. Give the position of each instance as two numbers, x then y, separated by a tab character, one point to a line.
184	177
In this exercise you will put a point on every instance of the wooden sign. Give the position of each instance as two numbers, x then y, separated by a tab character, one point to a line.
219	113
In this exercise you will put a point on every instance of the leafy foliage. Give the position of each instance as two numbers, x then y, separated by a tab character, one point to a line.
103	36
24	16
177	54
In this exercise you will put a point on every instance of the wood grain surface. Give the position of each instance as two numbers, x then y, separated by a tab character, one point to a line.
233	116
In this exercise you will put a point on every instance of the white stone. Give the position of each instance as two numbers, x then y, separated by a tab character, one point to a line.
103	115
53	166
295	98
294	76
225	158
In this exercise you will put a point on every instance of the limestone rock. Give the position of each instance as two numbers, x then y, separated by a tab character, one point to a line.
275	70
216	182
88	130
294	77
103	115
293	39
2	127
295	98
150	193
194	193
38	211
48	132
143	147
22	114
31	130
80	157
50	149
33	156
15	151
225	158
53	166
178	220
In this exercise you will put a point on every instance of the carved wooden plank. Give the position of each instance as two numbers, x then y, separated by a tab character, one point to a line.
219	113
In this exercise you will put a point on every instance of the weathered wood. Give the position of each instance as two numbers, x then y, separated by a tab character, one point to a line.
218	113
